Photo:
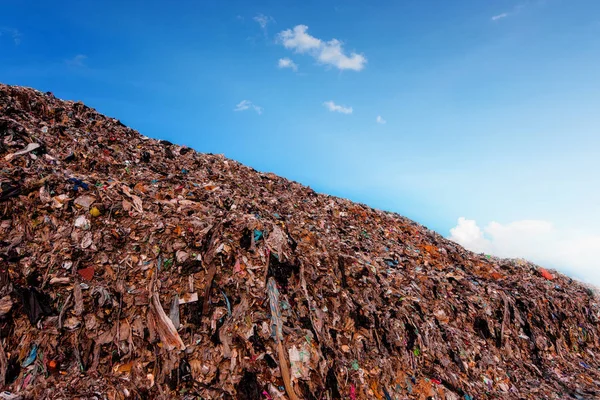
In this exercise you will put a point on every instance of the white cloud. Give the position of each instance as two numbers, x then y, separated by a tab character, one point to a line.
297	39
77	61
287	63
571	252
380	120
263	20
499	16
328	53
247	105
331	106
517	9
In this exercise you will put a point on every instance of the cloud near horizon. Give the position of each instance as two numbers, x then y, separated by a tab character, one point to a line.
331	106
328	53
247	105
380	120
570	252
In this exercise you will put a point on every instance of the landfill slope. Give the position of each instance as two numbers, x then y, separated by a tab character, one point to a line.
136	268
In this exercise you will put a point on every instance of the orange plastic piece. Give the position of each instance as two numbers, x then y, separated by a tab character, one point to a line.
546	274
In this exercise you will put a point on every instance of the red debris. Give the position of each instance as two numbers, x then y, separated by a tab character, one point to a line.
546	274
86	273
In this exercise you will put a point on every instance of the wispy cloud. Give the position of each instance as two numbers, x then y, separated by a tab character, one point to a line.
247	105
539	241
287	63
331	106
380	120
325	52
77	61
263	21
13	33
500	16
517	9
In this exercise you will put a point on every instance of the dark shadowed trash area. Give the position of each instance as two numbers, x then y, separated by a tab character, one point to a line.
35	304
132	268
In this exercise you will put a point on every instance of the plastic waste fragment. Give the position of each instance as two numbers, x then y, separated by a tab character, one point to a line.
10	396
387	395
166	330
391	263
267	395
82	222
352	392
188	298
85	201
31	357
228	303
299	362
584	365
546	274
30	147
86	273
174	312
78	184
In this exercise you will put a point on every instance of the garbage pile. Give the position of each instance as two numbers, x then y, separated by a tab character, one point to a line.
133	268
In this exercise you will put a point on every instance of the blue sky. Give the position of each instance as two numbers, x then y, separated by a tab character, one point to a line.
491	108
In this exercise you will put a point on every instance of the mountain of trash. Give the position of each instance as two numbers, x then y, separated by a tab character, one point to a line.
134	268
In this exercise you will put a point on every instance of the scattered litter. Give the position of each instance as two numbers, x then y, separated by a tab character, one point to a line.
31	357
10	396
188	298
160	323
85	201
271	291
174	312
87	273
82	223
78	184
546	274
30	147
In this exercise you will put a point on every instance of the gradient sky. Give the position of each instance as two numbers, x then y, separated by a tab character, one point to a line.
491	107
